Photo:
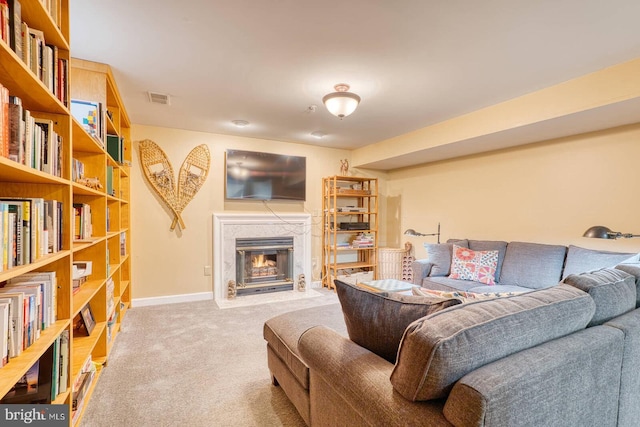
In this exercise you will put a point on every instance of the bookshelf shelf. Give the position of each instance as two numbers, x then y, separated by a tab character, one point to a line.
12	372
48	102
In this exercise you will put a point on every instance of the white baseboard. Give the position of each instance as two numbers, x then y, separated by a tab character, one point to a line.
316	284
171	299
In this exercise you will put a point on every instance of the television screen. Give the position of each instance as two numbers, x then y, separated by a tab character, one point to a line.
264	176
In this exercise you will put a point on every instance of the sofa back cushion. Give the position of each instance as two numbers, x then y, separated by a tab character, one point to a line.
532	265
439	256
580	260
491	245
377	322
613	291
438	350
634	270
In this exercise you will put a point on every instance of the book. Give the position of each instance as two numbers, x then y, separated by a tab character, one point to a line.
63	383
15	26
110	191
17	320
4	103
5	306
114	147
48	141
16	130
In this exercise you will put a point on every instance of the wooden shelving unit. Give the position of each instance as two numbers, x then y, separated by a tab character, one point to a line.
349	201
110	246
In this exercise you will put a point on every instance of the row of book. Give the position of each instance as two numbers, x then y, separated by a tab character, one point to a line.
47	377
82	228
30	46
28	139
30	228
27	307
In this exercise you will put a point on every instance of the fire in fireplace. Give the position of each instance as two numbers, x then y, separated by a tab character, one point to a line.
264	264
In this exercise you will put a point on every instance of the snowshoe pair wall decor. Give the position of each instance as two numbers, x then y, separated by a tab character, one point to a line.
158	171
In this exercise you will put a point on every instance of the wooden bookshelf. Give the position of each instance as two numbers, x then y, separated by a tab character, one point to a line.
348	199
110	213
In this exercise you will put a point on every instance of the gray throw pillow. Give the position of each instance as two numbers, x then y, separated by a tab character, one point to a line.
439	256
377	322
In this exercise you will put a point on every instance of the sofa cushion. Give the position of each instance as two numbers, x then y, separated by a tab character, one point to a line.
283	331
580	260
613	291
491	245
634	270
532	265
438	350
439	256
476	266
377	322
447	284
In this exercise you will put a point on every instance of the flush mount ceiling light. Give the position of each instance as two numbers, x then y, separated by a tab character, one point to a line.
240	123
341	103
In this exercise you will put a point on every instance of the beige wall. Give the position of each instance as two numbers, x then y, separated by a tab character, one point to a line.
548	192
168	262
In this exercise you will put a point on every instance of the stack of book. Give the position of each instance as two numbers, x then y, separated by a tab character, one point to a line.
362	240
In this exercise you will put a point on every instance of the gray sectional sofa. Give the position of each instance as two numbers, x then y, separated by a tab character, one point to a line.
567	355
521	266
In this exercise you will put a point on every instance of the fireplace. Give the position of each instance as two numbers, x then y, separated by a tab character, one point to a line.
229	227
264	264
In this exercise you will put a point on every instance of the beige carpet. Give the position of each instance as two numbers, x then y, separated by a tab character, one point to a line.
194	364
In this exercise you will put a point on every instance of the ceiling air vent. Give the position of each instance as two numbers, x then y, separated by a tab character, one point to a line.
159	98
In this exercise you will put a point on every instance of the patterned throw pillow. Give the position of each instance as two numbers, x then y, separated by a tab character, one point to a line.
477	266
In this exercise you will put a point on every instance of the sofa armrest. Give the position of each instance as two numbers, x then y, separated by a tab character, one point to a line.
574	380
350	385
421	269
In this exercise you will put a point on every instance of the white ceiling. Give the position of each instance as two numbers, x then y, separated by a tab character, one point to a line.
413	62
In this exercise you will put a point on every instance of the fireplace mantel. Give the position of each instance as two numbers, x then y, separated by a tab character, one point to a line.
229	226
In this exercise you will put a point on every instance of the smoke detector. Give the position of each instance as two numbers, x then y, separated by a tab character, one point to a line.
159	98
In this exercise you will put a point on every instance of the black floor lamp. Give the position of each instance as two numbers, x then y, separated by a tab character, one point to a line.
412	232
600	232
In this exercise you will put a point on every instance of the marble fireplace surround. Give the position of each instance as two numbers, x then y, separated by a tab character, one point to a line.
229	226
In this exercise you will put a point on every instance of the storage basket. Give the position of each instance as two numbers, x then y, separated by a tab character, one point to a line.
390	263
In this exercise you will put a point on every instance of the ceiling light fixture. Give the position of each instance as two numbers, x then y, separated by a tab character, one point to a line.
341	103
318	134
240	123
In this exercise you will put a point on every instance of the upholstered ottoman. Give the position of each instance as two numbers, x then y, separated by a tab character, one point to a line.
287	368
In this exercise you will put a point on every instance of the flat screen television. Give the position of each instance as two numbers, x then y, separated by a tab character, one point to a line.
264	176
